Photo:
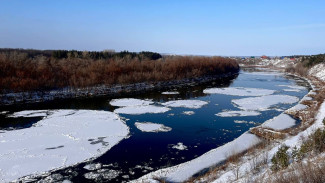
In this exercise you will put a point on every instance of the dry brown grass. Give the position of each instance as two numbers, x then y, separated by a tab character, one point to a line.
311	171
19	72
267	133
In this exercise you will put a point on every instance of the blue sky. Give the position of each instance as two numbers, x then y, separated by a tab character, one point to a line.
201	27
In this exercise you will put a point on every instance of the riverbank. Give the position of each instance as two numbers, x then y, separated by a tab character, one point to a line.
111	91
256	163
239	159
29	76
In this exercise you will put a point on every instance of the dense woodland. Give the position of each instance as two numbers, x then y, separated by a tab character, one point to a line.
312	60
26	70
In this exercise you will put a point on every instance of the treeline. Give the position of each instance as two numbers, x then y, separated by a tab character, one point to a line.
106	54
306	62
312	60
19	71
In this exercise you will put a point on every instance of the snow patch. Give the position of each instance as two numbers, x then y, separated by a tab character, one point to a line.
239	91
318	71
60	140
152	127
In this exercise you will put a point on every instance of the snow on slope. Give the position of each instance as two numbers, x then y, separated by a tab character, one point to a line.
184	171
63	138
318	71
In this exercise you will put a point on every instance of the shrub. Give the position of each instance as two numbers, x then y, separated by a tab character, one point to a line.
281	159
21	70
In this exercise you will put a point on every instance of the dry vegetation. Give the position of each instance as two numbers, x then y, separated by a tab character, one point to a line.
21	71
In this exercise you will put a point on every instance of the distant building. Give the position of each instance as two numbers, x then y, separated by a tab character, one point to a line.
264	57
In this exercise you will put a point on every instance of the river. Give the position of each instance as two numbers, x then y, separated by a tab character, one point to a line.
205	117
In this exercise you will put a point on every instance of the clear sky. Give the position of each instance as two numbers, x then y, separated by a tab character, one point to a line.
198	27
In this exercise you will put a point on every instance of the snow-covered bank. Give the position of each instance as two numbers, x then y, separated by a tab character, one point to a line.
251	165
184	171
63	138
318	71
244	169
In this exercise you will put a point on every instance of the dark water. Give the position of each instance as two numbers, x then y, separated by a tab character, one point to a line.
144	152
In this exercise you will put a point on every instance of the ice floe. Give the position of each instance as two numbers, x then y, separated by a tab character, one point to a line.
130	102
180	146
152	127
240	121
239	91
105	174
93	166
281	122
170	93
141	109
188	112
264	73
293	87
31	113
291	90
297	107
62	139
238	113
192	104
263	103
